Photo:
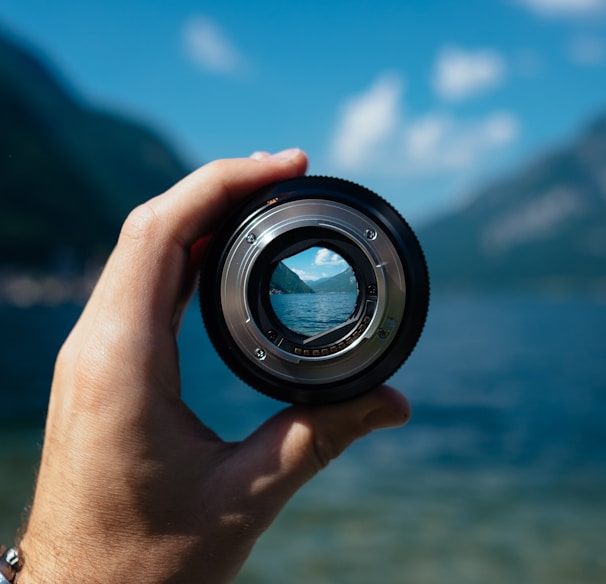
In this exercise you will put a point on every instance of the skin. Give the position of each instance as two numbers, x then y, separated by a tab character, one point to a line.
132	485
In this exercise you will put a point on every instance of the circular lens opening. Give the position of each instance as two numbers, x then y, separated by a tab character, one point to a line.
313	291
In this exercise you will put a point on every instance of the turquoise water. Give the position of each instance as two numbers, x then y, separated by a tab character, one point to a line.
312	314
499	477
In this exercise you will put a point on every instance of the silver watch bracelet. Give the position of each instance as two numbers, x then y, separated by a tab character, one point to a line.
10	564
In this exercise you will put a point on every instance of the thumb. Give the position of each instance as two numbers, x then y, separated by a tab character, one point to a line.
293	446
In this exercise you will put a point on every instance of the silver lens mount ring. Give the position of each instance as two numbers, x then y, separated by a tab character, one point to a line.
345	360
357	352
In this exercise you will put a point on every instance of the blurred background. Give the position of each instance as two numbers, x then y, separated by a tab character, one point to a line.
483	123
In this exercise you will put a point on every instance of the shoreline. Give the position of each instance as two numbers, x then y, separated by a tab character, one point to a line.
26	289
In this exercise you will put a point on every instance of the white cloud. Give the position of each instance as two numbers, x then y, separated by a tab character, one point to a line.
586	50
440	142
433	143
208	45
326	257
565	7
460	74
307	276
366	120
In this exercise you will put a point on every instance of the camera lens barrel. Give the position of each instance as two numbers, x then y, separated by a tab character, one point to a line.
347	358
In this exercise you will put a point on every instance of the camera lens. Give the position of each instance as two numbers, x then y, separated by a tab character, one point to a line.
314	291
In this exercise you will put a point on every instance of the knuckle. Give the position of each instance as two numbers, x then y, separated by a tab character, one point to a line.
325	449
218	167
63	360
330	442
142	223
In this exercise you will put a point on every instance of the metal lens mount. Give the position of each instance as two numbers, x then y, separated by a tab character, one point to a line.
281	221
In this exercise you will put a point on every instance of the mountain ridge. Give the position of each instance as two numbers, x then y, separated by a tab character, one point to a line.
285	281
69	173
342	283
542	227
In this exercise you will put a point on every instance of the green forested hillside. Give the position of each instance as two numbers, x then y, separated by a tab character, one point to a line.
344	282
69	173
285	281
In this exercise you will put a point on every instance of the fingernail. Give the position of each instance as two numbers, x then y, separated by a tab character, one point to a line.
260	155
386	418
283	155
287	154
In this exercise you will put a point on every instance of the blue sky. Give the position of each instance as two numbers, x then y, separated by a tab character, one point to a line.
419	100
316	263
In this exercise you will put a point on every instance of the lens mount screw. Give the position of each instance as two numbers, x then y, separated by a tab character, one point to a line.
260	354
383	333
371	233
251	238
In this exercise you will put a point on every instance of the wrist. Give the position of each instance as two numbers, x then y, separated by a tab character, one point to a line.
39	564
95	561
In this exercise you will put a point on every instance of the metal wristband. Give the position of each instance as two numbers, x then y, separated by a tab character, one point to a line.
10	564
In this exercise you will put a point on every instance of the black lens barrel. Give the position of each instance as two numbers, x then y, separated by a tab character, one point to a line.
279	221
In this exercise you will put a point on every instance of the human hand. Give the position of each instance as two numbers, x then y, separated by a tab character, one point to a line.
132	485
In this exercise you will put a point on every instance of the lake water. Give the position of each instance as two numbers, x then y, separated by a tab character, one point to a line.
499	477
312	314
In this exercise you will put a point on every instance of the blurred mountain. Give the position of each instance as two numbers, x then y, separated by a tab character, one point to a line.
543	228
343	282
69	173
285	281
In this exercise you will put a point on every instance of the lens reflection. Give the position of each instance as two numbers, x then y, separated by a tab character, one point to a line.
313	291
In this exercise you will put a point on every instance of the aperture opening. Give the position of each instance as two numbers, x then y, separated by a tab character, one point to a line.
309	324
313	291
